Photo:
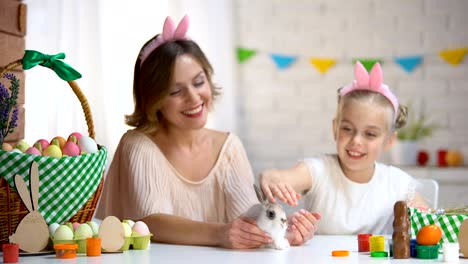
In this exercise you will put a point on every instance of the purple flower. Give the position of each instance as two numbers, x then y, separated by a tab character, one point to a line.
14	120
3	93
9	111
9	76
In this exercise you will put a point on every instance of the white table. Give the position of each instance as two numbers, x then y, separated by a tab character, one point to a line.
318	250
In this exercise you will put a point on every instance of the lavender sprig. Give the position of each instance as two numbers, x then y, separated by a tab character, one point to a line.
8	109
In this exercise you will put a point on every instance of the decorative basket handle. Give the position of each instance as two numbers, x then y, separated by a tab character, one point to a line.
73	84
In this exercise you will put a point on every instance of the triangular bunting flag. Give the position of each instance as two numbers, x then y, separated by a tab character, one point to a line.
453	56
322	64
283	61
244	54
409	63
368	63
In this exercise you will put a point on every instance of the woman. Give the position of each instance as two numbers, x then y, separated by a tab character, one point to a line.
190	184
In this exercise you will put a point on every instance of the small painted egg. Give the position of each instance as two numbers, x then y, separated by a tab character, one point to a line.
6	147
87	145
71	149
52	228
77	135
33	151
140	228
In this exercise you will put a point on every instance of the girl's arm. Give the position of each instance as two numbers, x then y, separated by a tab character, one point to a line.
286	184
241	233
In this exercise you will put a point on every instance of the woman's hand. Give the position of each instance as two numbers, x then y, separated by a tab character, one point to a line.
273	185
243	233
301	227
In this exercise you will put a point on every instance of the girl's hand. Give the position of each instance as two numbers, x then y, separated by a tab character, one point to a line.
302	227
243	233
272	185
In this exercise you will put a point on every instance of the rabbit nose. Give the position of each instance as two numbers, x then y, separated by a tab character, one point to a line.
284	220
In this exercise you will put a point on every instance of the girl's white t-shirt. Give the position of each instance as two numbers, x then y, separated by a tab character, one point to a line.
350	208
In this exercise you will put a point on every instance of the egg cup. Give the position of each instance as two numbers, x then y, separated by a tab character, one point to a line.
80	242
141	242
127	243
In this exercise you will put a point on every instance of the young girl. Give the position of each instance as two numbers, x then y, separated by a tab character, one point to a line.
352	192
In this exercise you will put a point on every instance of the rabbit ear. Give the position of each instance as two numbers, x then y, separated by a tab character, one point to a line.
23	192
261	197
34	184
376	77
168	29
182	28
361	75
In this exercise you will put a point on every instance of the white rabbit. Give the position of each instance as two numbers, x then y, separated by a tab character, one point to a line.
271	218
32	233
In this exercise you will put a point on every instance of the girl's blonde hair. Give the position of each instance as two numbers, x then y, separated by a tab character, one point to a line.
376	98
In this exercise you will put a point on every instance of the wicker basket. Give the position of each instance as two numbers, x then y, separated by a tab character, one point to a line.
12	209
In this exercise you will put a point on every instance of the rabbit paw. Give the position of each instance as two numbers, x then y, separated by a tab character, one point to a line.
282	243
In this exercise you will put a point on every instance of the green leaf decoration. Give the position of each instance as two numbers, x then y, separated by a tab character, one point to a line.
244	54
368	63
418	127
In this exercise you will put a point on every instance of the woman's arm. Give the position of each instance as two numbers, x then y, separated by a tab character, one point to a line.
241	233
286	184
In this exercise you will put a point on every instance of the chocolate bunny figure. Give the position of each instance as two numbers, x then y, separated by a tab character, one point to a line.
401	225
32	233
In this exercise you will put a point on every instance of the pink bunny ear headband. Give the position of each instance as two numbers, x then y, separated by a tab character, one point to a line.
372	82
170	32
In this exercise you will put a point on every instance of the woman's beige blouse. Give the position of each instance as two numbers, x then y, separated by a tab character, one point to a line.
141	181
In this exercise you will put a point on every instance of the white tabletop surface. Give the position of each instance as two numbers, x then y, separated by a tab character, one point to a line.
317	250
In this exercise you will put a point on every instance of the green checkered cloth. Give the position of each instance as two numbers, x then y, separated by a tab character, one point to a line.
449	224
66	184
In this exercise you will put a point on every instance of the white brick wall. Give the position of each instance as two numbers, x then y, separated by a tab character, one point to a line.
287	114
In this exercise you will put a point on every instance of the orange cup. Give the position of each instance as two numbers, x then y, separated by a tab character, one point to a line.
65	251
93	247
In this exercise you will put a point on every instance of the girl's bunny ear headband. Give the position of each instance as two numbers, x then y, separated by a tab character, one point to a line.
170	33
372	82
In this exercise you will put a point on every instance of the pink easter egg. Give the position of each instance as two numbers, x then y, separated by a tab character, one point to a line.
33	151
75	225
78	135
141	228
44	143
71	149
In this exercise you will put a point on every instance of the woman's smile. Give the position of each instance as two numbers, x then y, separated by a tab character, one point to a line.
194	112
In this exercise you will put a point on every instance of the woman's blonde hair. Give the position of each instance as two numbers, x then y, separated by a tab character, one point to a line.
152	81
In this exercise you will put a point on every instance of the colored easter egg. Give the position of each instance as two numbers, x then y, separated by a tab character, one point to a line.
6	147
63	232
33	151
140	229
52	151
71	149
22	145
87	145
43	142
77	135
61	141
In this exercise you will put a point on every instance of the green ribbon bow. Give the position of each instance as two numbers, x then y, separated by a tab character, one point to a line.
33	58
